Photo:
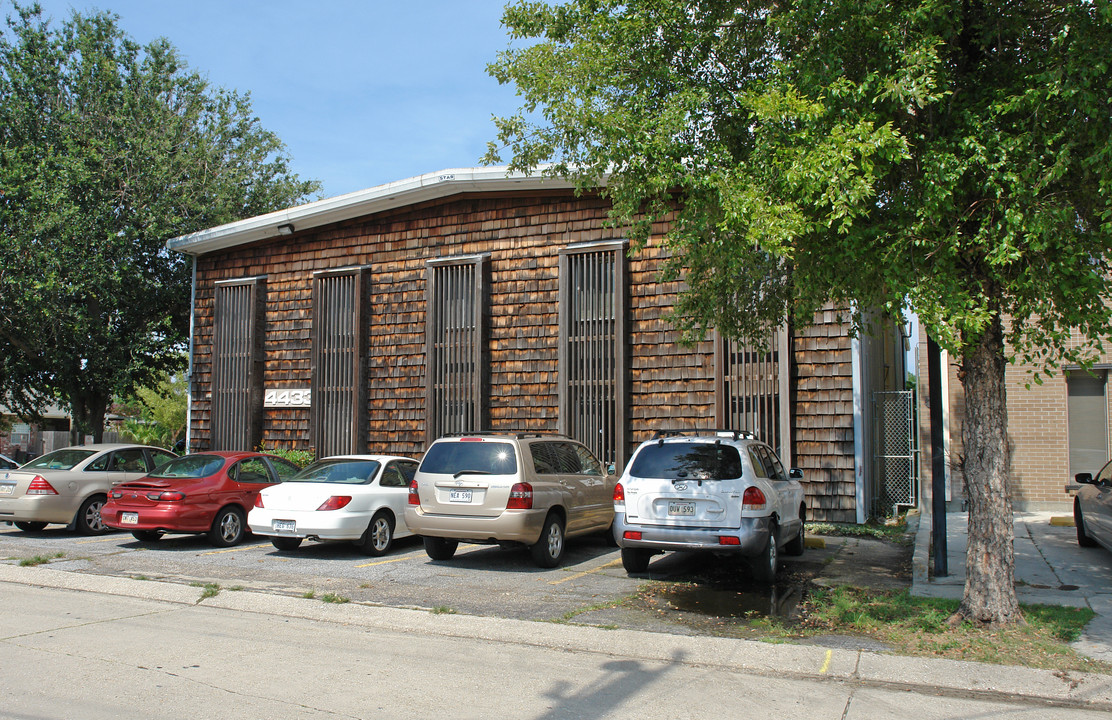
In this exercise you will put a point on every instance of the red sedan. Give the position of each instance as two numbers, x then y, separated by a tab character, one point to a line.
204	493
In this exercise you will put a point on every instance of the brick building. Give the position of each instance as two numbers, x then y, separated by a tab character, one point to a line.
469	299
1055	429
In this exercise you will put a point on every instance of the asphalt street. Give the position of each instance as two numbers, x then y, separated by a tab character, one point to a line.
78	645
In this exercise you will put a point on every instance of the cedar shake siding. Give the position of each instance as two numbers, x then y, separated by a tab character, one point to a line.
513	333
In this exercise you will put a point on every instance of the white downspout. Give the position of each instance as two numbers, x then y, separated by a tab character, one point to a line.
858	427
189	370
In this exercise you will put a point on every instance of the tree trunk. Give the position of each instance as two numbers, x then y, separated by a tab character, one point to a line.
989	598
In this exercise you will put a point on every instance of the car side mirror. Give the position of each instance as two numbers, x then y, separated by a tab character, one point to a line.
610	469
1083	478
795	474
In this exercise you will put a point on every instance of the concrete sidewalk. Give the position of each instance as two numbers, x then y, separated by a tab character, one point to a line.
1050	569
149	649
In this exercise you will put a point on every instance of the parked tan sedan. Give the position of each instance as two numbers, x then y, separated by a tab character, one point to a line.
71	485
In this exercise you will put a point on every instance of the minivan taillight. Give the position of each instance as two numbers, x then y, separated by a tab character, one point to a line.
414	499
39	486
521	497
753	499
619	494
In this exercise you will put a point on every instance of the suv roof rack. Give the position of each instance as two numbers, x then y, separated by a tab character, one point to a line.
720	432
508	433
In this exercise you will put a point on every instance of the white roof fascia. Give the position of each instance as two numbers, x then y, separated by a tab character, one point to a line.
397	194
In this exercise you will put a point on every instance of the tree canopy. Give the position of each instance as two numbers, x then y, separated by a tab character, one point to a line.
948	157
108	148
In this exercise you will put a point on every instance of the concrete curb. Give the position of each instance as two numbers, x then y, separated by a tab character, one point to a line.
920	675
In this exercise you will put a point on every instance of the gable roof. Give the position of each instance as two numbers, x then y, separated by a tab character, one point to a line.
430	186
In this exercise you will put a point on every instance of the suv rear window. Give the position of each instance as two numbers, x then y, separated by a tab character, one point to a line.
491	458
702	461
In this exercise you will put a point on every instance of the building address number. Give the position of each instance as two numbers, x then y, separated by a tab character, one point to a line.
300	397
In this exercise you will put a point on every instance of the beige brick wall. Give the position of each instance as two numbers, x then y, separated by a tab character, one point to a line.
1038	435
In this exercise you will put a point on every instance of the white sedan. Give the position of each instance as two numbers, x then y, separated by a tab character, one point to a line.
360	498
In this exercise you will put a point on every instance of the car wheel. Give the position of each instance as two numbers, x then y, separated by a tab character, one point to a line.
549	550
379	535
228	527
88	520
795	547
636	560
764	565
30	526
285	543
440	548
146	535
1083	538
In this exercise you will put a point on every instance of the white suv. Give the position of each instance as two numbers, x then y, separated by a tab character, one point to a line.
526	489
724	491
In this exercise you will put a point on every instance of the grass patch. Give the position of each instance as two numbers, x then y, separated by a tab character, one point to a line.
442	610
40	559
235	588
139	577
309	595
893	530
572	614
208	589
918	626
334	598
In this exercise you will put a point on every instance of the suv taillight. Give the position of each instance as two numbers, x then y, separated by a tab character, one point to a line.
39	486
521	497
414	499
753	499
619	494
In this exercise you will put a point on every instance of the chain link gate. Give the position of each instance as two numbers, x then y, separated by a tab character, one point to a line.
896	452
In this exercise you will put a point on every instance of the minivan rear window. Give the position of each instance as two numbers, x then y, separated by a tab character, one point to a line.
481	457
700	461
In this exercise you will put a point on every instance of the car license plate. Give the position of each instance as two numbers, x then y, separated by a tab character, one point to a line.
7	489
285	526
460	496
128	518
681	508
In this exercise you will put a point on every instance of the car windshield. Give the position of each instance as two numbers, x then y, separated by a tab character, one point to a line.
699	461
349	472
462	457
190	466
60	459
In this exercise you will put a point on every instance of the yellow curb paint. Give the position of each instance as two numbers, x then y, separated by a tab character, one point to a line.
612	563
1061	521
236	549
826	662
814	542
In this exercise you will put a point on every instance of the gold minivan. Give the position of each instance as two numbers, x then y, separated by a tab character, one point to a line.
509	489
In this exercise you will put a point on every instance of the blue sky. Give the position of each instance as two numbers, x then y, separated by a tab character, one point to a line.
362	93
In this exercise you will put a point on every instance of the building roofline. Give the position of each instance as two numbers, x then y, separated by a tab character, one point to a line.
430	186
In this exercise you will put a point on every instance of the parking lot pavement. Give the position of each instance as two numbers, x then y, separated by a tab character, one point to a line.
1050	569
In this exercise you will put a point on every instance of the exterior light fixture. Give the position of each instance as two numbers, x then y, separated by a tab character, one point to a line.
286	229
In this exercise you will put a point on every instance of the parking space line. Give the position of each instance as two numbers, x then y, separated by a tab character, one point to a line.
418	553
107	539
612	563
826	662
236	549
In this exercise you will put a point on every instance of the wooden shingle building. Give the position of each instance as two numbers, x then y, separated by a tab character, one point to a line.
472	299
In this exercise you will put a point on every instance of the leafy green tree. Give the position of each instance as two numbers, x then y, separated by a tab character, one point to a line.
106	150
157	415
950	157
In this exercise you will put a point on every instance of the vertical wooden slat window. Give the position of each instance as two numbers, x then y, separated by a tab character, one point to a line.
338	416
237	364
752	389
456	357
592	349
